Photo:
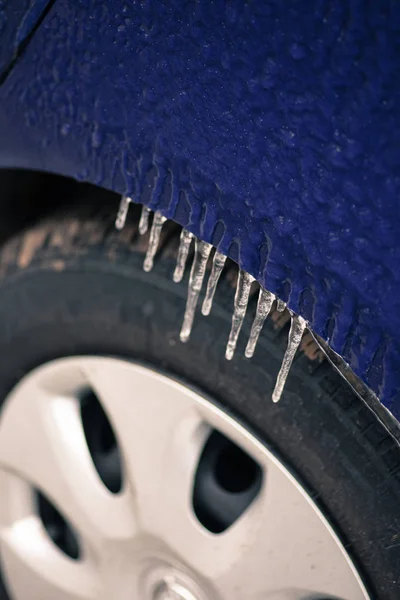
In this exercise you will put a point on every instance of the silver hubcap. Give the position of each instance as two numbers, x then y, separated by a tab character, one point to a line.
171	589
146	542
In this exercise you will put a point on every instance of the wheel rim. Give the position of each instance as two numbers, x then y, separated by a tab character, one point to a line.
149	541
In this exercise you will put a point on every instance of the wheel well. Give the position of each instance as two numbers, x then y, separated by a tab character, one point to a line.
29	196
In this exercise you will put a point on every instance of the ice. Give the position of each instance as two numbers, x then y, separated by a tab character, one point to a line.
280	305
122	212
155	232
218	265
297	328
184	245
144	220
240	306
197	272
264	304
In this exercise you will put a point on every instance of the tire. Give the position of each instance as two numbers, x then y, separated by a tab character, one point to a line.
73	285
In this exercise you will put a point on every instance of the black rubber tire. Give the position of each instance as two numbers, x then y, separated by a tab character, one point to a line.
75	286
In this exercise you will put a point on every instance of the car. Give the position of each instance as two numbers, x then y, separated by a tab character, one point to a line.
199	300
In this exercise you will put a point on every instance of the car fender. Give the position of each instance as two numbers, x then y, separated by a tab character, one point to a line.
268	129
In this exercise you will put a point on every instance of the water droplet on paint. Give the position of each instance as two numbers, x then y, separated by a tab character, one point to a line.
65	129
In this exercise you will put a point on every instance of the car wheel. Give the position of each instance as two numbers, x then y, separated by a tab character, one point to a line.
135	466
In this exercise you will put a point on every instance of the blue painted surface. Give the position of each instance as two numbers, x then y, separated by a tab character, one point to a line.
17	20
269	129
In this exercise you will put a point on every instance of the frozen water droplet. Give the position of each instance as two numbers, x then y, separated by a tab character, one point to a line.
297	328
155	232
241	299
195	284
280	305
144	220
264	304
96	137
218	265
65	129
184	245
122	212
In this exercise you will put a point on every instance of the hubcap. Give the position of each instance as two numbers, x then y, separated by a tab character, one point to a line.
156	495
171	589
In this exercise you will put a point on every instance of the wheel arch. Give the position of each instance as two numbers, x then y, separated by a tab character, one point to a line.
30	197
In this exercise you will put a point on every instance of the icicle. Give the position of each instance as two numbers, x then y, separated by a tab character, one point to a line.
122	212
155	232
195	284
241	299
184	245
218	265
264	304
297	328
144	220
280	305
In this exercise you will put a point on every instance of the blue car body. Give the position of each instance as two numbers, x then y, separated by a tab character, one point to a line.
268	128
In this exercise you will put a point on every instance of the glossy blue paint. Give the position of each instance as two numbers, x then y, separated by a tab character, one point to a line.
18	18
267	128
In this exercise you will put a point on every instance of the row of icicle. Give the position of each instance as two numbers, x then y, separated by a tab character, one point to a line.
201	256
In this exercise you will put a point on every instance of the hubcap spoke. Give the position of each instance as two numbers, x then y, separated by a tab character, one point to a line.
36	569
161	437
284	554
42	440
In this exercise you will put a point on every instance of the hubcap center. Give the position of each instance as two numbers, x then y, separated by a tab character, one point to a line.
171	589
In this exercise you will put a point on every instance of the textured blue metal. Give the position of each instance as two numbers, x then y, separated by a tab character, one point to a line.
269	129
